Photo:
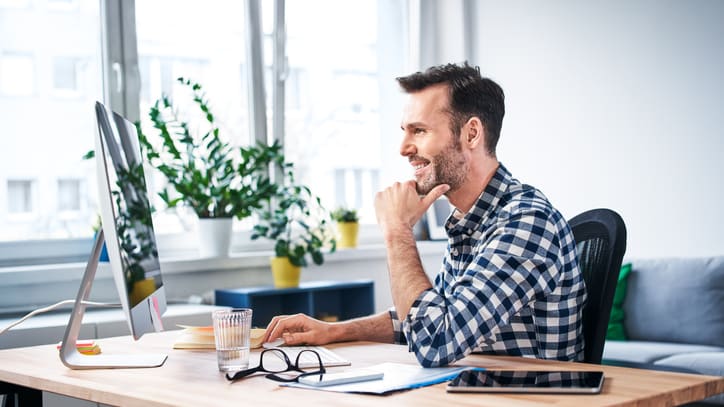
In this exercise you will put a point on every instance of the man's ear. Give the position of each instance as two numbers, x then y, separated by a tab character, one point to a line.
473	133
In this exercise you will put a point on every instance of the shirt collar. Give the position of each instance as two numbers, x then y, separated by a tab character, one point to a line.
484	206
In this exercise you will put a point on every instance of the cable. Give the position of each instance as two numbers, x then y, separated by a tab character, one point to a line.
54	306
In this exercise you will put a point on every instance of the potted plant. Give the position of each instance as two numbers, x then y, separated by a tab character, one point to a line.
298	223
347	226
216	180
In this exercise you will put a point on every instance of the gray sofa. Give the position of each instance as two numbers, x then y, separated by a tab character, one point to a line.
674	316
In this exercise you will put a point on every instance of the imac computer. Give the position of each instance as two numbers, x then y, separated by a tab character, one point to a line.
131	243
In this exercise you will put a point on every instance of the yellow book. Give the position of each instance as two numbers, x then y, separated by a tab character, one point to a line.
195	337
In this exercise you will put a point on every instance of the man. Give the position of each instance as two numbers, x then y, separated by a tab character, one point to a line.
509	282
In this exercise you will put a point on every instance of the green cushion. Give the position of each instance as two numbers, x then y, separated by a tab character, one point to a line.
615	323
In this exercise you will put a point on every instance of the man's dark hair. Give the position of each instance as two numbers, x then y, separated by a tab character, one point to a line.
470	95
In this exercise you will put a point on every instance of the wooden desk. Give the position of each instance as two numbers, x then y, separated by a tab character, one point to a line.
190	378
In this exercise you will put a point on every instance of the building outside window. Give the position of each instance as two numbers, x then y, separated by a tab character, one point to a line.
62	4
44	51
67	74
14	3
20	196
333	131
69	198
17	74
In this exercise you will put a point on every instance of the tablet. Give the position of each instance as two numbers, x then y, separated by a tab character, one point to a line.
518	381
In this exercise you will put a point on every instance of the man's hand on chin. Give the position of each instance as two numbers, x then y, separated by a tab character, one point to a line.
398	207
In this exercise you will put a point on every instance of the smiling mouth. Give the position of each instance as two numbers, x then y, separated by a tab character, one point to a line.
419	166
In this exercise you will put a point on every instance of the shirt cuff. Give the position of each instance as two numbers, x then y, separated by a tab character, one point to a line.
418	325
399	337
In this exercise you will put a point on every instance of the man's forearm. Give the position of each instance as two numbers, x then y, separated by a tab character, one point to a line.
375	328
407	276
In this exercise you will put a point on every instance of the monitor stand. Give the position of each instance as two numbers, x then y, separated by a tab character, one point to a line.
70	356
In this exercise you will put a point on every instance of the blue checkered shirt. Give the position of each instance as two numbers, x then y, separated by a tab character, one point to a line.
509	283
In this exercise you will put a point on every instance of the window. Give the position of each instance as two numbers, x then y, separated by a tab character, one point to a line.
14	3
46	137
62	4
69	195
332	114
336	117
66	74
20	196
204	42
17	74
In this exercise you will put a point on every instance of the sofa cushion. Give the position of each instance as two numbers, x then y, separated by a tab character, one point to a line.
709	363
615	322
650	352
676	300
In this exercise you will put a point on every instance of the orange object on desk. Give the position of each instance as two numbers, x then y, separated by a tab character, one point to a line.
84	346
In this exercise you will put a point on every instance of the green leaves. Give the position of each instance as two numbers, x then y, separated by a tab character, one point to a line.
342	214
297	221
203	170
218	180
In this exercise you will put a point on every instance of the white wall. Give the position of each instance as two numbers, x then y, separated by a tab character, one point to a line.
616	104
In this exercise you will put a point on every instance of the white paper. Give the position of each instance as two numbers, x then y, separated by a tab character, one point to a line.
397	377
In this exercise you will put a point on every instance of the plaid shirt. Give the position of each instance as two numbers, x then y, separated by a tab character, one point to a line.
509	284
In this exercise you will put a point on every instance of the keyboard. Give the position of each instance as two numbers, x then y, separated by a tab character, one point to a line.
309	360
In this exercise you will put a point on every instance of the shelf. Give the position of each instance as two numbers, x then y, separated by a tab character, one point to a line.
327	300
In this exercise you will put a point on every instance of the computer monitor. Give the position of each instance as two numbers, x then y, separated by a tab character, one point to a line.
131	243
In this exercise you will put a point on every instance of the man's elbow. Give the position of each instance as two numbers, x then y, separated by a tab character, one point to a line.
434	358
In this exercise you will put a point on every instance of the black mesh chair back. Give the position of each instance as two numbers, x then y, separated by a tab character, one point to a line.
600	236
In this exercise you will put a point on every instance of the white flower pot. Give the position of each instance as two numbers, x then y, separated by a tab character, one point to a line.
214	237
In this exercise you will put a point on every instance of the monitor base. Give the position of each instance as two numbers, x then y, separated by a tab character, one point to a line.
80	361
70	356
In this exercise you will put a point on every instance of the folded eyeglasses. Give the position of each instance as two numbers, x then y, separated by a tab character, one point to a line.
275	371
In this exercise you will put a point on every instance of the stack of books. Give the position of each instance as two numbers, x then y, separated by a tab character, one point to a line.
195	337
202	337
86	347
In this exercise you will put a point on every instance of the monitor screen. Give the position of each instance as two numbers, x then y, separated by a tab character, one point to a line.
126	221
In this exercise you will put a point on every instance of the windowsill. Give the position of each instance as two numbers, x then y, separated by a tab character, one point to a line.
45	274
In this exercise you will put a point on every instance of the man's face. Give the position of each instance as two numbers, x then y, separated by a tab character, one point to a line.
434	152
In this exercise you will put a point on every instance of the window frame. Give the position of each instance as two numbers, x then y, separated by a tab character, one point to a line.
121	77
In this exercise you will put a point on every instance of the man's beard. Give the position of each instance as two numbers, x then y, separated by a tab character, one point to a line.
449	167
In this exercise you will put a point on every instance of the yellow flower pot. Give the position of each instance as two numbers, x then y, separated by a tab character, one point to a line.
285	274
348	232
142	289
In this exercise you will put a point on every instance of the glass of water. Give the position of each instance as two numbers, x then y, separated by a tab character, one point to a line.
232	334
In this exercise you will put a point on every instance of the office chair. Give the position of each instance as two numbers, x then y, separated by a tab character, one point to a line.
22	395
600	236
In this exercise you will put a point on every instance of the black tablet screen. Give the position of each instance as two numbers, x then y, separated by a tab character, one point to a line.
527	381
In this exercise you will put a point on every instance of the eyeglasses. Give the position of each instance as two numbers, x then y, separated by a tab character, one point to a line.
274	370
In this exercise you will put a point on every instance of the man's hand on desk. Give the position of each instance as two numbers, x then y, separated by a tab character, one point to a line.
299	329
302	329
